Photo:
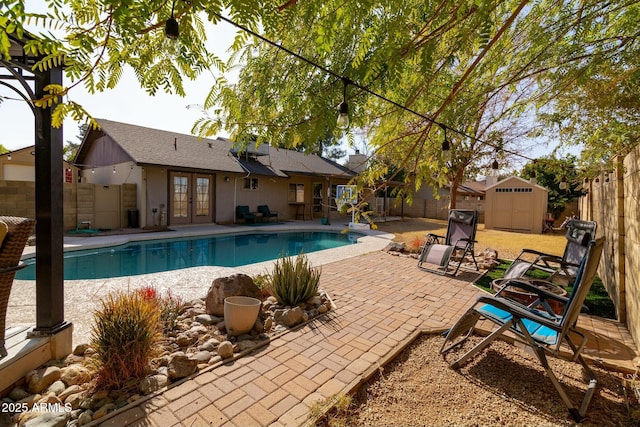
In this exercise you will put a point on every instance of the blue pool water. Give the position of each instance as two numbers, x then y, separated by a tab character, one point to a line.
153	256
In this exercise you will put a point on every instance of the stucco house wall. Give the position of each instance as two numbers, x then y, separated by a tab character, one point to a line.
155	160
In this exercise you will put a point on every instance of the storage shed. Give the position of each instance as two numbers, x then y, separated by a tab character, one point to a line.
515	204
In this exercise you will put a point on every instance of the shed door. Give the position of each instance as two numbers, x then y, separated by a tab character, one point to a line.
502	209
522	211
513	208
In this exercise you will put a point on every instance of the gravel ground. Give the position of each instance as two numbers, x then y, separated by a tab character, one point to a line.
503	386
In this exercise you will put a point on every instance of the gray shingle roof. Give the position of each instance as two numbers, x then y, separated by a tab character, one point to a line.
163	148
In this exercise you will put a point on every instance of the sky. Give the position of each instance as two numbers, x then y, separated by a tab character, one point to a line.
129	104
126	103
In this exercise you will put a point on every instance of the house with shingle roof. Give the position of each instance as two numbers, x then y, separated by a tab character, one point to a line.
184	179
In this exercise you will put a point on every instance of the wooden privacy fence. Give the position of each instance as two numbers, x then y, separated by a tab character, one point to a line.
101	206
612	200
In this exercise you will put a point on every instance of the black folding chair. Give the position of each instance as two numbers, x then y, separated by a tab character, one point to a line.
536	325
442	252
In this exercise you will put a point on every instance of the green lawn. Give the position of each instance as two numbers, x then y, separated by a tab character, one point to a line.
597	301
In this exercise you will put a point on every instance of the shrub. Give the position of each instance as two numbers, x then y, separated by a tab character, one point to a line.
294	281
170	306
415	245
125	336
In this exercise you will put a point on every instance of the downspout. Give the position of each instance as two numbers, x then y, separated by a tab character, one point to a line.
235	187
328	200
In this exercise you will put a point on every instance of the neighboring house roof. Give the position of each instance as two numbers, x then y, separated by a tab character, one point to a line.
520	181
149	146
471	188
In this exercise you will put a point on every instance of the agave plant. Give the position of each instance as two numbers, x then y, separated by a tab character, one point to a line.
294	280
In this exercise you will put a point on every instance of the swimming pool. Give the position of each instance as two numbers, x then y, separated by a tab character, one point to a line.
153	256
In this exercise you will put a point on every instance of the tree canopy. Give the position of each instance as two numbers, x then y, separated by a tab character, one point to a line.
550	172
490	74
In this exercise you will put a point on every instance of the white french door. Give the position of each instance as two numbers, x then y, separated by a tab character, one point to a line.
190	198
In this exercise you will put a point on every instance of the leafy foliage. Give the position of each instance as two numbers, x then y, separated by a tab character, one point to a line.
549	172
293	280
124	335
494	73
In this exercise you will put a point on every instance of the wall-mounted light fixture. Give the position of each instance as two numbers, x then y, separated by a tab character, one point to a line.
226	179
114	169
9	157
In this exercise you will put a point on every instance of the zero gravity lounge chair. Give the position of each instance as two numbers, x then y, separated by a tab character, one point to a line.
579	234
536	326
439	251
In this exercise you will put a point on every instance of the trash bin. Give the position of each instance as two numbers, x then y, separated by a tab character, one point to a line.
133	218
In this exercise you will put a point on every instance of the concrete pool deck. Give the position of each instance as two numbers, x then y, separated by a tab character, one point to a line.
82	297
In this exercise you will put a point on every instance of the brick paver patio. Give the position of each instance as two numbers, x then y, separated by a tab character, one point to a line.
383	303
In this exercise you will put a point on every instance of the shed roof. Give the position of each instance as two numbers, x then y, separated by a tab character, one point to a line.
519	181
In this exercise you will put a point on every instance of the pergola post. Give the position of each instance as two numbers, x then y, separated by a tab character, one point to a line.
49	215
48	191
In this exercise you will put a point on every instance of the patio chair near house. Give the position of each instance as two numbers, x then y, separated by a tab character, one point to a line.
536	326
14	233
267	213
242	212
562	268
454	248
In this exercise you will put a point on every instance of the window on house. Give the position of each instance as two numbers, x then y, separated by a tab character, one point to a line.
202	196
250	183
296	193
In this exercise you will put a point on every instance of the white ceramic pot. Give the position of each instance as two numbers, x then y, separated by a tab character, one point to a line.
240	314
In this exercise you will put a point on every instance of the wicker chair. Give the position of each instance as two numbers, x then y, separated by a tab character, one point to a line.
19	230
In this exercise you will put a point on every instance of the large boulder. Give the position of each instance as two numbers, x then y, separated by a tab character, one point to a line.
234	285
182	366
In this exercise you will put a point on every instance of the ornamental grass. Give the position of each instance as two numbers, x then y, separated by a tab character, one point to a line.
294	280
125	335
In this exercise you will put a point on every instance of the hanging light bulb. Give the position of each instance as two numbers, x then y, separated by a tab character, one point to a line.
445	142
171	28
563	183
446	146
343	115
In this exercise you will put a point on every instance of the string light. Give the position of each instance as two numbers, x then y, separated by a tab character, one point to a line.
563	183
343	115
171	28
445	141
363	88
